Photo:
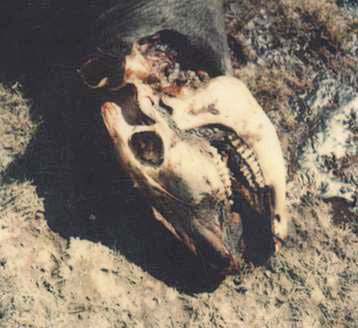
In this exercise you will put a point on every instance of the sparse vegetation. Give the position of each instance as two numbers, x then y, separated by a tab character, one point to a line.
77	251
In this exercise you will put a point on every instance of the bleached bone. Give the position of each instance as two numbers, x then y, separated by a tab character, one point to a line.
238	110
182	174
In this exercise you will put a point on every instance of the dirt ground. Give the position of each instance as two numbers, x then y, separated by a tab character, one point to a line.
78	245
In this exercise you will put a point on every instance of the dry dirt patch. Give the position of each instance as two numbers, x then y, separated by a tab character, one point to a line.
76	250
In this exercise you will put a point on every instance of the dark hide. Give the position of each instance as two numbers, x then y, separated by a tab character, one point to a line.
198	28
70	159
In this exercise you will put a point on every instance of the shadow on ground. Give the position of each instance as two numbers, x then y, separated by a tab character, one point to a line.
71	162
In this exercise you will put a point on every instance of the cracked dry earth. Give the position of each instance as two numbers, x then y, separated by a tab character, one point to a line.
78	246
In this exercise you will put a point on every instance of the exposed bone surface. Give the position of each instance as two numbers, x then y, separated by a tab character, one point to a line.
239	111
78	246
210	147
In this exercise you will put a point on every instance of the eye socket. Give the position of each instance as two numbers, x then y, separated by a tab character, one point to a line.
127	98
148	148
102	70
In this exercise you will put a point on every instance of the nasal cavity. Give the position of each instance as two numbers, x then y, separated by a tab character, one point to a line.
127	99
148	148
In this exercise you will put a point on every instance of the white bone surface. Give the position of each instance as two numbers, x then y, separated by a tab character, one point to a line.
225	101
237	109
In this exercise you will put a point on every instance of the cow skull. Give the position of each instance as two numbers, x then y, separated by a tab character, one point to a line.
208	160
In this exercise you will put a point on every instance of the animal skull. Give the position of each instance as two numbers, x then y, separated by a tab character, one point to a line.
208	160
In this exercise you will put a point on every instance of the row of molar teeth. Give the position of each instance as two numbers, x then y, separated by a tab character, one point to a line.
224	172
252	172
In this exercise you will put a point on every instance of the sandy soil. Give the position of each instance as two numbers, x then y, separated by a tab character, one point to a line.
78	247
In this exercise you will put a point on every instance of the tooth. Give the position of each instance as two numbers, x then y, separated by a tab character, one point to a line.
246	172
245	154
254	167
250	156
253	173
234	140
261	182
237	144
224	173
241	150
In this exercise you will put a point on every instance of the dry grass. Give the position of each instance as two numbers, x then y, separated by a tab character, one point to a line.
76	249
326	14
16	127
